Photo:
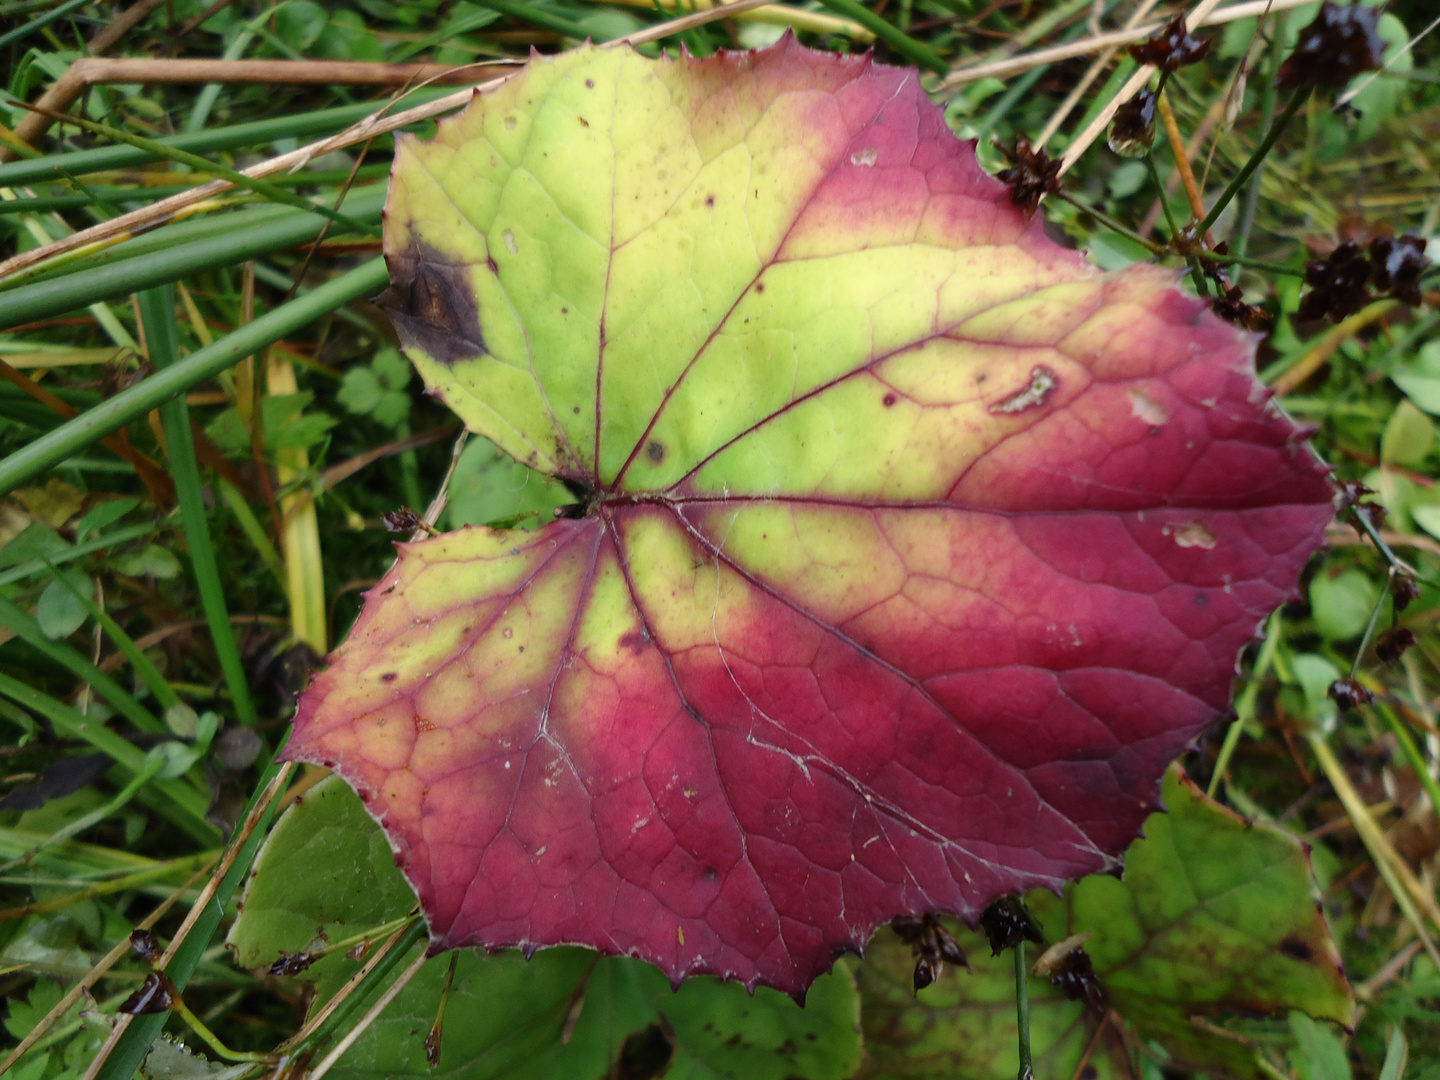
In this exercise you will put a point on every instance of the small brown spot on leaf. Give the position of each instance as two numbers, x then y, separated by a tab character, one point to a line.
1296	949
389	676
655	451
889	400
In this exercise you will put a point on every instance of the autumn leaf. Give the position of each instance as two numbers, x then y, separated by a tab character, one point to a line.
908	548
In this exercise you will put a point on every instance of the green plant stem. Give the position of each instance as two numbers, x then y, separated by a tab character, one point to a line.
1412	755
211	1040
254	531
1111	224
157	311
133	403
1196	274
1271	137
130	1050
917	53
1022	1013
377	976
273	192
1370	626
1267	118
1245	704
1254	264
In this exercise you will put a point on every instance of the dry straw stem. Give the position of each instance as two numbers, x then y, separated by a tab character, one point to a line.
1313	358
1203	15
1085	46
815	22
1092	73
91	71
391	993
1182	157
108	961
1416	902
379	123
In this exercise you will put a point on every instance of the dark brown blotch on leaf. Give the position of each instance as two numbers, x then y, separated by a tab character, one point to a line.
1296	949
1133	129
646	1054
1007	922
1031	176
432	305
157	994
1339	44
1171	47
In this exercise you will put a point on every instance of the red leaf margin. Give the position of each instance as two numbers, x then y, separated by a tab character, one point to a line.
714	805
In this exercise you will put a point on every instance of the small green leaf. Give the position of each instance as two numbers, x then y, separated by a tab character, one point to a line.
175	758
360	391
107	513
60	612
1315	674
37	541
152	560
1408	436
392	369
182	720
1342	603
489	486
393	407
1421	380
300	23
1317	1054
169	1060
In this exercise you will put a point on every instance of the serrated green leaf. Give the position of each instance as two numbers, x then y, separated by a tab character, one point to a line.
1214	918
326	871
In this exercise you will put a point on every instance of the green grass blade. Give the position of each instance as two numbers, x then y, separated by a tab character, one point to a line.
270	191
131	404
558	23
919	54
147	671
256	133
24	626
130	1050
183	804
47	299
100	543
40	20
157	311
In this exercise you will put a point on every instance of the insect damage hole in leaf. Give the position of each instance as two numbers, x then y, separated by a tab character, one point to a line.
899	618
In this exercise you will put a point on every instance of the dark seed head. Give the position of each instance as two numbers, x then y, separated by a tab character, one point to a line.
156	995
1393	643
1230	305
924	973
1348	693
1007	922
402	520
1075	978
1404	591
1031	176
144	944
1337	284
1172	47
1133	129
291	963
1340	44
1398	263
